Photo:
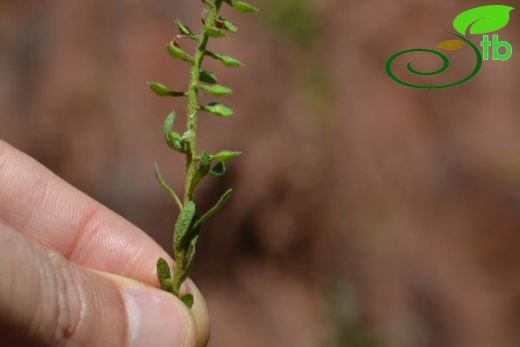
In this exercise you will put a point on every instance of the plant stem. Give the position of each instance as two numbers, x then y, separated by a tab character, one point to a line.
191	125
193	103
177	273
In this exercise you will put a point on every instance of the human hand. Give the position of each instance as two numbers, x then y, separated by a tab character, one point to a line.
73	273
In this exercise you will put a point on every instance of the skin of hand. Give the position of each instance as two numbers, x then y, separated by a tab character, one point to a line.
74	273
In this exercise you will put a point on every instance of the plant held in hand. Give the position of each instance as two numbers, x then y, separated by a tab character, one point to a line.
198	165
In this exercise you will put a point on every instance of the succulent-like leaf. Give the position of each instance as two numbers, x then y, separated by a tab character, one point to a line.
218	109
162	90
183	29
168	123
183	224
215	208
451	45
483	20
214	32
174	140
227	25
215	90
226	60
164	275
188	300
225	156
208	77
218	170
244	7
178	53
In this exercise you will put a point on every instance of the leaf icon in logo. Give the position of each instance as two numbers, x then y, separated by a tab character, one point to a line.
483	20
451	45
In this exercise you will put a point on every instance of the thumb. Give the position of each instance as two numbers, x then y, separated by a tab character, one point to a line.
47	301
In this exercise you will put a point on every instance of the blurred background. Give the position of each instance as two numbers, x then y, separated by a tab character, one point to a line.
365	213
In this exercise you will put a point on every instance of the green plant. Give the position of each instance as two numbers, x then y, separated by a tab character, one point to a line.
198	165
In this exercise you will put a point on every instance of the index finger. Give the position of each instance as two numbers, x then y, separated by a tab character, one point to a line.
47	209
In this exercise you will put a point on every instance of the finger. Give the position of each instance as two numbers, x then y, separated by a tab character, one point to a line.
46	300
199	309
48	210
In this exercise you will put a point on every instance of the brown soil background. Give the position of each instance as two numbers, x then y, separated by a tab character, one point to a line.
365	213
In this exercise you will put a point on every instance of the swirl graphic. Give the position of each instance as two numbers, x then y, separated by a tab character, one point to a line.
445	64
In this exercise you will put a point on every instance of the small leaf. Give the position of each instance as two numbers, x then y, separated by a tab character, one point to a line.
168	123
166	187
226	60
208	77
188	135
188	300
164	275
483	20
190	254
215	90
225	156
244	7
174	140
183	224
218	109
227	25
183	29
215	208
451	45
204	164
218	170
202	170
162	90
214	32
178	53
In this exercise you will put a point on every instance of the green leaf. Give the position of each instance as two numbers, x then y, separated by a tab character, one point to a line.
202	170
215	208
214	32
174	140
215	90
226	60
218	170
164	275
162	90
225	156
208	77
218	109
188	300
244	7
168	123
178	53
166	187
190	254
183	29
483	20
183	224
204	164
226	25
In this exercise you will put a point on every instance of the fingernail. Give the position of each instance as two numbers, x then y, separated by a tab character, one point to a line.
156	319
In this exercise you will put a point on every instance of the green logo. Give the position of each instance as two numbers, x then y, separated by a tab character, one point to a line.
479	20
